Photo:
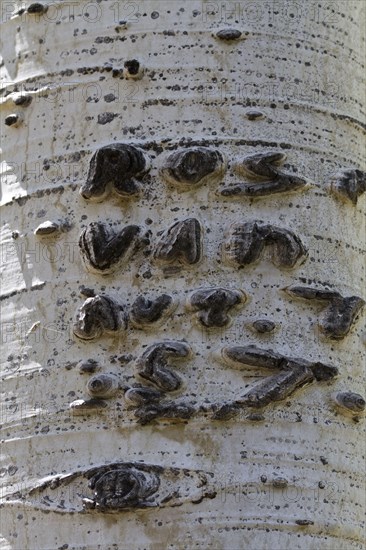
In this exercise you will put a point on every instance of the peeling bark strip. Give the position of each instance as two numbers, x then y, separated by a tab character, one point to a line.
103	250
145	312
153	364
340	312
294	374
182	243
97	316
194	166
213	304
118	165
116	487
349	185
262	167
246	242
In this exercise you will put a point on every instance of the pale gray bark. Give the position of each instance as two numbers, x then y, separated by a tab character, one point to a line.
252	257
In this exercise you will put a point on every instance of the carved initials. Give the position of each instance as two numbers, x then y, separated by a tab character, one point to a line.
182	242
118	165
102	249
153	365
246	242
349	185
99	315
213	305
294	373
262	168
193	167
340	312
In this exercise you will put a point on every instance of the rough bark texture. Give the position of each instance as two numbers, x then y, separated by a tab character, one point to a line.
183	275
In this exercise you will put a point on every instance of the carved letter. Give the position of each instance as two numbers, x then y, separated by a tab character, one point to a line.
246	242
182	242
213	305
145	312
117	165
192	167
102	250
262	168
339	314
141	395
349	185
153	365
169	409
99	315
294	373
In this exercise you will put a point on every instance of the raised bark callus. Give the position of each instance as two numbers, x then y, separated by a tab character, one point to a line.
102	386
213	304
294	373
240	84
116	487
122	487
340	312
228	34
153	364
350	402
181	243
145	312
141	395
349	185
246	241
262	168
118	165
103	250
169	409
97	316
192	167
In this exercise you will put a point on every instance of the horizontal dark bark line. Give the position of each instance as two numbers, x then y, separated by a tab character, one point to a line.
21	291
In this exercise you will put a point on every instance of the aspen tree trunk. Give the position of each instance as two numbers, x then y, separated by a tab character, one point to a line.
227	411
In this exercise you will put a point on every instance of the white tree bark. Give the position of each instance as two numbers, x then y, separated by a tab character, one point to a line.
241	464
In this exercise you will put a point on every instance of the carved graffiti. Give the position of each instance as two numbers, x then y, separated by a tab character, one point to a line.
340	312
153	364
98	315
103	250
265	176
293	374
349	185
193	167
213	304
118	165
246	241
146	312
182	243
